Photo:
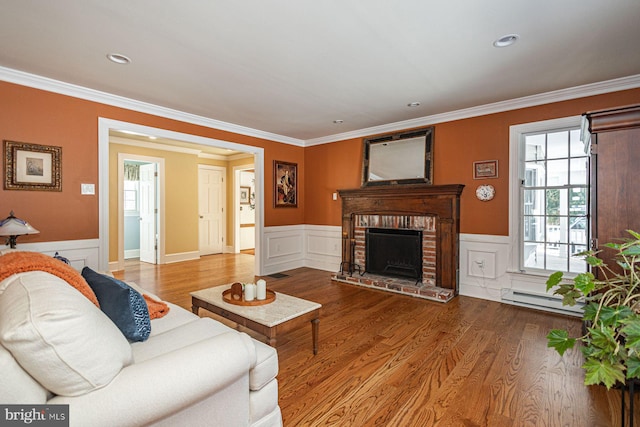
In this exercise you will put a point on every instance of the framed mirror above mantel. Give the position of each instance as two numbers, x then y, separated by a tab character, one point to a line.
399	158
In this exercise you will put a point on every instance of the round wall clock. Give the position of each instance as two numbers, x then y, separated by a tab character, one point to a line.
485	192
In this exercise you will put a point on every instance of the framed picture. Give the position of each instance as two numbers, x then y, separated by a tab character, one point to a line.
245	195
32	167
485	169
285	191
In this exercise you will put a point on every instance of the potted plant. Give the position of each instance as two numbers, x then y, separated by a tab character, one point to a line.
611	316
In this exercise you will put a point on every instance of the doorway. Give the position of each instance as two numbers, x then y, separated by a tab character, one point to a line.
141	190
245	209
112	259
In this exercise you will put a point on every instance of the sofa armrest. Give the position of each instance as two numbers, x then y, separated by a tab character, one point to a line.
156	388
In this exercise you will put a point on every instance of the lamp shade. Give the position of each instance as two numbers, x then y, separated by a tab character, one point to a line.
14	227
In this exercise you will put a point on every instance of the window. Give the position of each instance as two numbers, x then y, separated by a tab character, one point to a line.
551	197
131	196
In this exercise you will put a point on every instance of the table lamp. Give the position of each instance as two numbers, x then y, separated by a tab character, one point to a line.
13	227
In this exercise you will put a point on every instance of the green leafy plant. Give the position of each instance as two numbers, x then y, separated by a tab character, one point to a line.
611	340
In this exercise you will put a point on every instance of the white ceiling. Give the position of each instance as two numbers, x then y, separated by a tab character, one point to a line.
291	67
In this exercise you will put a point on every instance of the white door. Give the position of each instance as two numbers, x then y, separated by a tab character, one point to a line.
211	207
148	213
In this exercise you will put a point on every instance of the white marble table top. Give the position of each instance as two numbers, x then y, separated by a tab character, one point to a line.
285	307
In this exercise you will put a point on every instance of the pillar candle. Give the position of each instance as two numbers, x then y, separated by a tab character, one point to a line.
249	292
261	291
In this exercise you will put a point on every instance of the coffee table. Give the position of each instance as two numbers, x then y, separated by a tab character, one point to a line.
282	315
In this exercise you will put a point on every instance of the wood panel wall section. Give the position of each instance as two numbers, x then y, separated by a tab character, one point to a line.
441	201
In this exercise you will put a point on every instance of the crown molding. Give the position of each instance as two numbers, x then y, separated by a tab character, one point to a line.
615	85
63	88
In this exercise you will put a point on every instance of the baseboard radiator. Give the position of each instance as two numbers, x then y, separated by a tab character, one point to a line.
541	302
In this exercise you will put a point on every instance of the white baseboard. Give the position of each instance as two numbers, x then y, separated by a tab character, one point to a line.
132	253
179	257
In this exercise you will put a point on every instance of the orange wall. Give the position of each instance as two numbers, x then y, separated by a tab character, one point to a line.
40	117
457	145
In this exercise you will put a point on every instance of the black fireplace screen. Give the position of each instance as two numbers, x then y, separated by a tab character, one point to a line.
394	252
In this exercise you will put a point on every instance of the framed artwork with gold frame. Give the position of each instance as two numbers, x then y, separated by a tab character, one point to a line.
285	191
32	167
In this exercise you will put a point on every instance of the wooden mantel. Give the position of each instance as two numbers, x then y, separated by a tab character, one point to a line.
441	201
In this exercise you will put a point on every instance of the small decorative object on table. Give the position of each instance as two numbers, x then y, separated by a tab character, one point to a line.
236	291
251	296
261	290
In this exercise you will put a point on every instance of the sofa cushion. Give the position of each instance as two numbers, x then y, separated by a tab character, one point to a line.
264	401
121	303
58	336
177	316
266	367
16	385
178	337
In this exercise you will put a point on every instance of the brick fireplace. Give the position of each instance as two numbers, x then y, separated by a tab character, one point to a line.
434	210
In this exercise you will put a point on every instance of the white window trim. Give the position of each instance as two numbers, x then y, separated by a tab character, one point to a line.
516	156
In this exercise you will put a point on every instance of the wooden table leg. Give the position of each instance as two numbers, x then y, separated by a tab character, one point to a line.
315	326
271	338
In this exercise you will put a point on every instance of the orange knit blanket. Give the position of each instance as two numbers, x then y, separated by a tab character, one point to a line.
20	262
157	309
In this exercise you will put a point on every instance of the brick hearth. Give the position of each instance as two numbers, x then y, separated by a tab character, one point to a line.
401	286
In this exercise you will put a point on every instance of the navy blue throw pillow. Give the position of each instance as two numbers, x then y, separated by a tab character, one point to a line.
121	303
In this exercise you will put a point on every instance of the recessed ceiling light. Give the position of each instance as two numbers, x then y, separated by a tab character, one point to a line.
118	58
338	121
413	104
507	40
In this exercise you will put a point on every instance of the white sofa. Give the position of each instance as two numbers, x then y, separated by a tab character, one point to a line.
57	347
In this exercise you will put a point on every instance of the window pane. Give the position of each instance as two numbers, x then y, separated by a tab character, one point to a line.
558	145
578	201
553	202
533	255
533	202
557	257
533	228
577	147
534	147
576	264
534	175
558	172
578	169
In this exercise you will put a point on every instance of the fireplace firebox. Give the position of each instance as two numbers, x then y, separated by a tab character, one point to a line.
394	252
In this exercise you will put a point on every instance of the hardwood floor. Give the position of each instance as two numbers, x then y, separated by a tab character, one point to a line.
393	360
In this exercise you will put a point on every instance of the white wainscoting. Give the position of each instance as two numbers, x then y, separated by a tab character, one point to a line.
483	270
485	273
294	246
483	266
80	253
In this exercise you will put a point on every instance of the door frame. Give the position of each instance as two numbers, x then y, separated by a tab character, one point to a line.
160	198
236	202
105	124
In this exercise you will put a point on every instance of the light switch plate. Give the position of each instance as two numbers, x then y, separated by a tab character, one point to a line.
88	189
